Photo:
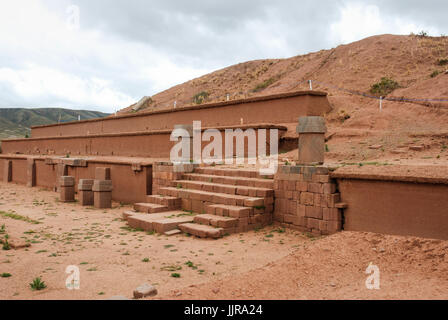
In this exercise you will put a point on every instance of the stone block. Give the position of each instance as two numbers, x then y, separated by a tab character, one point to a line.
85	184
102	173
67	193
66	181
307	198
145	290
102	200
102	186
85	197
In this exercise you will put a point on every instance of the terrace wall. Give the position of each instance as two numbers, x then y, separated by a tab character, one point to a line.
276	109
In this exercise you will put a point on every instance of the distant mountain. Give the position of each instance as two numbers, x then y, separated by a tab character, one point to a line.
16	122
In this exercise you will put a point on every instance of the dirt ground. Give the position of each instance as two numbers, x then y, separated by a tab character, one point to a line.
271	263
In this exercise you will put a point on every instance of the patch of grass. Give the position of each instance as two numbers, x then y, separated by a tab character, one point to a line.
175	275
384	87
18	217
279	230
92	269
443	62
167	246
191	265
263	85
201	97
327	149
145	260
37	284
435	74
6	246
2	229
5	275
127	228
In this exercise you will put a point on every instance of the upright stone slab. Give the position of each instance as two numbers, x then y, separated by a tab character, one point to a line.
67	189
311	132
85	193
102	173
7	173
31	173
102	194
62	171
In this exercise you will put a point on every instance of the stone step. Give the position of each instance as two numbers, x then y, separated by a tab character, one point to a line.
159	222
229	172
224	210
216	198
216	221
150	207
202	231
172	203
127	214
145	221
224	188
171	223
235	181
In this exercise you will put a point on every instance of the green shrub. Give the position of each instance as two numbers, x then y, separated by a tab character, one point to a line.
423	34
38	284
435	74
201	97
443	62
5	275
384	87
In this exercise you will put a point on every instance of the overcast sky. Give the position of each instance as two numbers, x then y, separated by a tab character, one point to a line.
106	54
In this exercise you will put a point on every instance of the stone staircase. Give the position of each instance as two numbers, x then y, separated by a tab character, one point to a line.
208	203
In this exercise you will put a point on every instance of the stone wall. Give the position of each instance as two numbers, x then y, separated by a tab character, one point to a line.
307	199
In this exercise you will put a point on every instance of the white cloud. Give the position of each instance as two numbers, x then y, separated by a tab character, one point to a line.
358	21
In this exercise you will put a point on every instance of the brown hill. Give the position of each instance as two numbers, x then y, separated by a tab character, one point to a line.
361	131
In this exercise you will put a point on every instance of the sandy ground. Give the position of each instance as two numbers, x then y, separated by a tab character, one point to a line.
109	256
271	263
335	268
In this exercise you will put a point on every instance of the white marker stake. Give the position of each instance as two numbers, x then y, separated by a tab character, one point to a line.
311	84
381	104
175	104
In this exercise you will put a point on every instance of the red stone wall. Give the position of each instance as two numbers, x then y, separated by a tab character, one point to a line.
306	198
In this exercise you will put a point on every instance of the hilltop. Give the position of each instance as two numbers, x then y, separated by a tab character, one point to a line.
359	132
16	122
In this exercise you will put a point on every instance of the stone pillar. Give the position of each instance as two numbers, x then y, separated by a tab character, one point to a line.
67	189
311	132
102	194
85	193
62	170
31	173
7	173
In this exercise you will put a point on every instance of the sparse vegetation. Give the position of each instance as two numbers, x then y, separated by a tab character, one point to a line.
384	87
423	34
201	97
435	74
5	275
38	284
175	275
263	85
18	217
443	62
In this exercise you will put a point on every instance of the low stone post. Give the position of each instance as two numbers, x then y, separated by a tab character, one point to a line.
311	132
67	189
102	194
85	193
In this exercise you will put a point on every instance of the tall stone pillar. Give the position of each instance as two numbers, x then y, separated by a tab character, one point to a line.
311	132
